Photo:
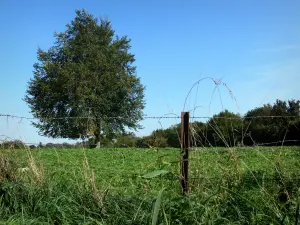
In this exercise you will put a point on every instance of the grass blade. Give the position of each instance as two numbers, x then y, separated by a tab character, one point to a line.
155	173
297	211
157	207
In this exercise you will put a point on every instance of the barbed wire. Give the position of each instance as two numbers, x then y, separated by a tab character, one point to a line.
200	149
145	117
192	148
166	116
239	148
267	175
276	142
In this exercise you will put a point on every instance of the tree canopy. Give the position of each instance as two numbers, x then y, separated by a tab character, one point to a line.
279	122
85	85
270	124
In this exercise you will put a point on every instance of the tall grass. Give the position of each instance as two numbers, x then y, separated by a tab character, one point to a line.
108	186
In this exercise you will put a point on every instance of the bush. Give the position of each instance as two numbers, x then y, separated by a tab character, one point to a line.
7	170
32	146
16	144
142	143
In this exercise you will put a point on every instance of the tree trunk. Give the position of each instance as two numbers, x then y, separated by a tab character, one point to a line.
98	145
98	140
98	136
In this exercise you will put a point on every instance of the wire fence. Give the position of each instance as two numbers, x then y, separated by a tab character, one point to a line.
146	117
211	121
209	162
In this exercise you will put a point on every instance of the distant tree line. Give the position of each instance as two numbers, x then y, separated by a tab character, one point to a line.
12	144
277	124
18	144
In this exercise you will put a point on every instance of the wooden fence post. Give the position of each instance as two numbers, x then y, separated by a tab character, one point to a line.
185	144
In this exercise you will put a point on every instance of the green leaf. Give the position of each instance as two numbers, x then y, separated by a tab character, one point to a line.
157	207
155	173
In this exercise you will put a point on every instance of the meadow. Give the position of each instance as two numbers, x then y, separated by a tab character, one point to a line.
258	185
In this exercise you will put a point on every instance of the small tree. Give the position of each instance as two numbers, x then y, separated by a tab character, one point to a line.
274	123
225	129
85	85
127	139
40	145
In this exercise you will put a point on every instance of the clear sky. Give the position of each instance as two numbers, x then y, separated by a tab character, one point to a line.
254	46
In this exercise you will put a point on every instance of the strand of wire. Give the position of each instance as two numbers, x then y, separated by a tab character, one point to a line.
145	117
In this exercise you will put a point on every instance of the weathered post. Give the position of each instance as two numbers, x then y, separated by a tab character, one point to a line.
185	144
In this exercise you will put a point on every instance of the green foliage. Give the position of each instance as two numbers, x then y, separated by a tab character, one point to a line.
274	123
7	169
88	81
160	138
157	207
155	173
224	129
143	142
172	135
107	187
237	186
125	140
15	144
277	124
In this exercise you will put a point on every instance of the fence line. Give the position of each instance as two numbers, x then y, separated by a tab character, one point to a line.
185	146
145	117
186	138
166	116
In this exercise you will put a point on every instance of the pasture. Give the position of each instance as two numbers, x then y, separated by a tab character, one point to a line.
141	186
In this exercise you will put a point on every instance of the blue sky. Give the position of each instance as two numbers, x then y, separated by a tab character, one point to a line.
254	46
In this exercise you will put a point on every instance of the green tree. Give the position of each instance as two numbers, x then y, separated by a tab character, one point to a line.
158	138
225	129
173	134
258	125
143	142
273	124
86	85
127	139
199	132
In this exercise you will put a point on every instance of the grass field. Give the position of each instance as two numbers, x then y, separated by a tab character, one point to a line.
141	186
